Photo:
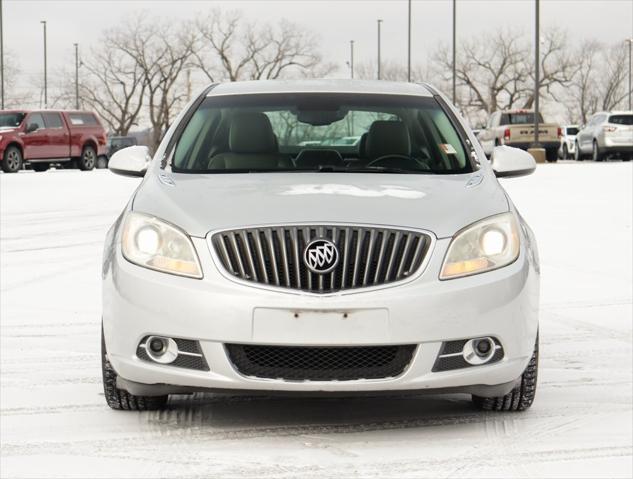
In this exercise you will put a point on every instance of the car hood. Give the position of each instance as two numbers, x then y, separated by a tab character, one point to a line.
200	203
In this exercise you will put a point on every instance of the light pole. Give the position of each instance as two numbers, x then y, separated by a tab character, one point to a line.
379	21
537	72
351	58
1	60
409	46
76	76
43	22
454	50
630	42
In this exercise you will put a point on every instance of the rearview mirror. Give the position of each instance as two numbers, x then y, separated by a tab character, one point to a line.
508	162
130	161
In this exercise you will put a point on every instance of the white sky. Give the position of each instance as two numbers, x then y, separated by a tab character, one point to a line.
336	22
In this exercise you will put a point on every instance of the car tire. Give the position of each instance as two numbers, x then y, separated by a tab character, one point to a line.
521	397
40	166
102	163
577	153
88	159
551	155
120	399
12	160
596	155
565	152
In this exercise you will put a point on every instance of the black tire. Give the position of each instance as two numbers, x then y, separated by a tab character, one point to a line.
521	397
40	166
577	153
120	399
88	159
565	152
596	154
12	160
102	163
551	155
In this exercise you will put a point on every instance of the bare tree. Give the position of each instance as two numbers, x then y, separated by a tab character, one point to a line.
113	85
389	70
231	49
17	94
162	52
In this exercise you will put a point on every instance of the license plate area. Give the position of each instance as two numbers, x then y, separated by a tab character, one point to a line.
321	327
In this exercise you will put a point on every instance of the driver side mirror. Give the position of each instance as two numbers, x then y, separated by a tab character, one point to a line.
510	162
130	161
31	127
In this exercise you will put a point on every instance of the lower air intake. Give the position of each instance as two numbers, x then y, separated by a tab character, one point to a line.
320	363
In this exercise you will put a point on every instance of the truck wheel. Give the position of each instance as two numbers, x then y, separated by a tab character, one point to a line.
40	166
521	397
551	155
88	159
102	162
119	399
12	161
596	154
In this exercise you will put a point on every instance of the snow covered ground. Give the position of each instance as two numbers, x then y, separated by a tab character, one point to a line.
54	420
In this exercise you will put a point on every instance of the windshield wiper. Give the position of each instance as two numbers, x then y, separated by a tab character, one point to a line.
373	169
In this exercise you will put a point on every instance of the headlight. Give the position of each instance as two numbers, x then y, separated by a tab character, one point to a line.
155	244
486	245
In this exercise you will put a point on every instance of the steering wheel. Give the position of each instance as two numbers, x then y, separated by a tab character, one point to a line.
389	158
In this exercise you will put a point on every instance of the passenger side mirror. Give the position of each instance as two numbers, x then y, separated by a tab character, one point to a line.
130	161
509	162
31	127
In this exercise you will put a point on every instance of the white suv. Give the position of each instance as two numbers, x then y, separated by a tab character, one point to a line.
249	259
606	134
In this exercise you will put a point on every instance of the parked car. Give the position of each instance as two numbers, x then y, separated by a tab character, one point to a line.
606	134
243	263
41	138
567	148
115	143
516	128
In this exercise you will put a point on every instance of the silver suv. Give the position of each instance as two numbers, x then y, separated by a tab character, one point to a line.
606	134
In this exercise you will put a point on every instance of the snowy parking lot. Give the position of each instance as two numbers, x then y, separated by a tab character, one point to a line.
55	423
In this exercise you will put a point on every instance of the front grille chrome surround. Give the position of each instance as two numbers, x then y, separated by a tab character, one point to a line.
369	255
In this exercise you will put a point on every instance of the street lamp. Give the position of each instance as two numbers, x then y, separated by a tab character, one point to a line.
76	45
351	58
379	21
43	22
409	46
537	72
1	60
630	42
454	50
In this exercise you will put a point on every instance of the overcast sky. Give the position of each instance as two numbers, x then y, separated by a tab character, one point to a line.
336	22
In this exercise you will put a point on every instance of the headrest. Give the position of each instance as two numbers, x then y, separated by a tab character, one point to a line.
251	133
315	158
387	138
362	146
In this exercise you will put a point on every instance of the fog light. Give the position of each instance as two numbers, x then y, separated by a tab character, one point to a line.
479	351
162	350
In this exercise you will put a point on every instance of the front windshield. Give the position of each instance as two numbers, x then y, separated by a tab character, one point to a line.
319	132
11	120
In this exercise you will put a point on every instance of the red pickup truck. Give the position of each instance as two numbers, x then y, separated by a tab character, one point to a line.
41	138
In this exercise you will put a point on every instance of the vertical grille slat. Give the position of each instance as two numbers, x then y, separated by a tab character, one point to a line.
367	256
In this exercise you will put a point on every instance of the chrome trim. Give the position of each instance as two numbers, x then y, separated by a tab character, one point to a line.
344	291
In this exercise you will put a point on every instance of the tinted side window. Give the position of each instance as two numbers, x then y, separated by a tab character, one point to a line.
88	119
75	119
53	120
35	119
621	119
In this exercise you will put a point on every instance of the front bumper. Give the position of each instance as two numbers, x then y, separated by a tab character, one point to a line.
217	310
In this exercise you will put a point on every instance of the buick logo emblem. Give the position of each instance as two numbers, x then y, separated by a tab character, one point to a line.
321	256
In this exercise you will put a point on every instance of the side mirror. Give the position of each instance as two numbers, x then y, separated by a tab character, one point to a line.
508	162
130	161
31	127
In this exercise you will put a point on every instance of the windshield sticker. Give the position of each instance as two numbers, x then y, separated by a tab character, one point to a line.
448	148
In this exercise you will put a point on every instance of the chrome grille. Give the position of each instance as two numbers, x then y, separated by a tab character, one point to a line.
369	256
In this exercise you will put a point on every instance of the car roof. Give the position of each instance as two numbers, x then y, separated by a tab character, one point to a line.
320	86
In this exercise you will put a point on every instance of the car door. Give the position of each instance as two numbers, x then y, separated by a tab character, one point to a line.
58	141
35	137
584	135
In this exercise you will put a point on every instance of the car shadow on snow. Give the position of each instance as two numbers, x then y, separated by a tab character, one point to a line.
265	415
